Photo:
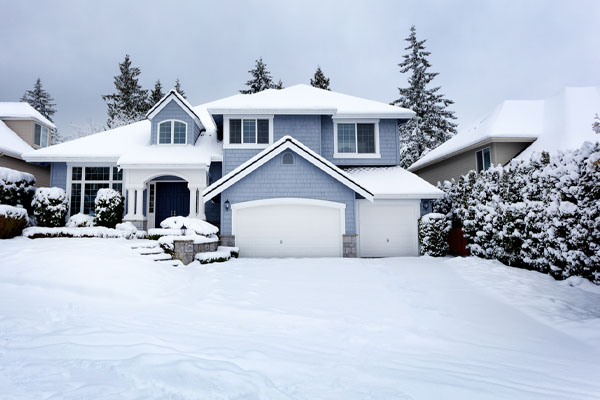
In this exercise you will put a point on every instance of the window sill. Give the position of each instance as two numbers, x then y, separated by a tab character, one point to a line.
245	146
356	155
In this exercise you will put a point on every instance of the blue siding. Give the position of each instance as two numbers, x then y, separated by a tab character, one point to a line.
212	208
389	143
305	128
173	111
232	158
58	175
300	180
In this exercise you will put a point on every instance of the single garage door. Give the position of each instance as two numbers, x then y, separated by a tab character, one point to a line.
388	228
289	228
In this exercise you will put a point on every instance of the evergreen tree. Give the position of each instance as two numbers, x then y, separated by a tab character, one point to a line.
157	93
261	79
433	124
40	99
319	80
596	124
56	137
178	88
130	102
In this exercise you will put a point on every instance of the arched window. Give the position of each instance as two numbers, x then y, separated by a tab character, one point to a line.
287	158
172	132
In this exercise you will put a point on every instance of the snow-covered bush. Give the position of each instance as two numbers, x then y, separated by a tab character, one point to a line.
193	225
50	207
213	256
433	234
16	187
80	220
109	207
36	232
234	251
12	221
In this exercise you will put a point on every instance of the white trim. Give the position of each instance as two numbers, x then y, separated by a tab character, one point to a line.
172	121
227	145
175	97
285	143
266	111
483	168
356	154
83	181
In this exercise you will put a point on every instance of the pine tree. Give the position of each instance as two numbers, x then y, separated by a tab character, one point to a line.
596	124
130	102
157	93
433	124
56	137
319	80
178	88
261	79
40	99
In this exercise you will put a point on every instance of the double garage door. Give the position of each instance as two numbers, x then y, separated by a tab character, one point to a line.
314	228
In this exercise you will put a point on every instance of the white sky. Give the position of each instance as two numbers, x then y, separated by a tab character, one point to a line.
485	51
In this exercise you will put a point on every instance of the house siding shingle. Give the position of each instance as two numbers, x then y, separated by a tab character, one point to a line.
212	209
41	174
173	111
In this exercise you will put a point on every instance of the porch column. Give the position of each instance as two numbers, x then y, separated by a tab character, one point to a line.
130	203
139	206
196	201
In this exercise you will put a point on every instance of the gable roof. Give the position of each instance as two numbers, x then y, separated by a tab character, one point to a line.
559	122
394	183
11	144
305	99
22	110
199	114
285	143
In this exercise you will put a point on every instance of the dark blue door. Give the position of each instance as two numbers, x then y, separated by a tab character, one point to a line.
172	199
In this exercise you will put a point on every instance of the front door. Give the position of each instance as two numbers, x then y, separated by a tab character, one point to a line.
172	199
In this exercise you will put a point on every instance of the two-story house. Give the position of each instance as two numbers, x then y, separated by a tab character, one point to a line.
515	129
22	129
294	172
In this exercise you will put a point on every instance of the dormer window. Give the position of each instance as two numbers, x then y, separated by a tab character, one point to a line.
41	136
172	132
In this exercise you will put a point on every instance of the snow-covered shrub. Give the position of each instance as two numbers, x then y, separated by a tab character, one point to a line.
193	225
234	251
12	221
213	256
16	187
50	207
109	207
433	234
36	232
80	220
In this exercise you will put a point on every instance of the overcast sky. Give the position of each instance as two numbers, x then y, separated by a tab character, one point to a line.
485	51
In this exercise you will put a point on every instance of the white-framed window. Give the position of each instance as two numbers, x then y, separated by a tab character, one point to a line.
85	183
172	132
41	136
248	131
484	159
356	139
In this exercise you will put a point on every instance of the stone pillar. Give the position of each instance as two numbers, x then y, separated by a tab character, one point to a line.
228	240
183	250
350	246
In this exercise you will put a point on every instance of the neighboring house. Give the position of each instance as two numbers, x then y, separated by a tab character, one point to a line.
23	128
294	172
515	129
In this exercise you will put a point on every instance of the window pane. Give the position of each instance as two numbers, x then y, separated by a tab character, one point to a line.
249	131
38	135
151	200
97	173
75	198
365	137
179	132
44	137
235	131
479	156
76	174
346	138
117	174
164	132
263	131
91	189
487	162
118	187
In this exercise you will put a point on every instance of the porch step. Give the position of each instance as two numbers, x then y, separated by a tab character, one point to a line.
146	251
160	256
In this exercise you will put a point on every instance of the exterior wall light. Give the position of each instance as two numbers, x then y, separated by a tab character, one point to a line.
183	230
227	205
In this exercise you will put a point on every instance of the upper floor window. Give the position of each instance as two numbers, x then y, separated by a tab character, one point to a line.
172	132
41	136
356	139
249	131
484	160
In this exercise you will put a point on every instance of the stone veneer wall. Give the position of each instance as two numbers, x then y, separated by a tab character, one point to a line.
350	246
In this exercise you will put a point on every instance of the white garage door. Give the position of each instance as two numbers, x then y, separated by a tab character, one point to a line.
388	228
289	228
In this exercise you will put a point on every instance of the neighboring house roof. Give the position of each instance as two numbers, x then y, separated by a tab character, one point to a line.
11	144
199	114
305	99
394	183
285	143
130	144
562	121
22	110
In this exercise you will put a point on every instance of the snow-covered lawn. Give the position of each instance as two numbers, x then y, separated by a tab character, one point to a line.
91	318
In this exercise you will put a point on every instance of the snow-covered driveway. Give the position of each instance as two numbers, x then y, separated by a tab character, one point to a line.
90	318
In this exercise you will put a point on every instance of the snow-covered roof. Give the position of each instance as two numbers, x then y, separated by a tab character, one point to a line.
10	143
559	122
22	110
394	183
130	144
285	143
305	99
198	114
